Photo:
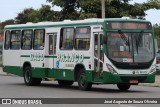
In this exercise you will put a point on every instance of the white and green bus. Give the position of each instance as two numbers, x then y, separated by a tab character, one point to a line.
91	51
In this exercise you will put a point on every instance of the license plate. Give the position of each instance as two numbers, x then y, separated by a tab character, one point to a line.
133	81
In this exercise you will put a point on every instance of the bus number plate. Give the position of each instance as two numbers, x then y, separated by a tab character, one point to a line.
133	81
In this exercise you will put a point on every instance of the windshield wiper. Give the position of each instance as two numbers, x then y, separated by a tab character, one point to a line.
124	39
138	40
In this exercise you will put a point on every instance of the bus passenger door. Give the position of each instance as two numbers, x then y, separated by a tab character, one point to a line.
52	52
98	55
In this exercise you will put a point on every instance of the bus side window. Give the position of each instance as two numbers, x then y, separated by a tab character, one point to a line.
50	44
27	39
82	38
7	40
66	39
38	43
55	42
15	39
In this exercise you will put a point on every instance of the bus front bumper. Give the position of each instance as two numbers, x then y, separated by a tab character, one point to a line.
117	78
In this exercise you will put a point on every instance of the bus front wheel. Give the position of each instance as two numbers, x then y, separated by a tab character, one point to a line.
82	81
123	87
28	79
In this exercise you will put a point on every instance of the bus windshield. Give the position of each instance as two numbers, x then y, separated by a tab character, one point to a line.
130	47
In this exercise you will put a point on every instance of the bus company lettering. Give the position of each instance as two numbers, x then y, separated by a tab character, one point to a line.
70	57
37	56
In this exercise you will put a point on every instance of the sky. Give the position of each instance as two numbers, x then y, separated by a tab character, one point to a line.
10	8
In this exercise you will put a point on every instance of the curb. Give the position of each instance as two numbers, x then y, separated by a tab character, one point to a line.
6	74
149	85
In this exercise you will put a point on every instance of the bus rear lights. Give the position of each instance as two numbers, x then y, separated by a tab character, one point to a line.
111	69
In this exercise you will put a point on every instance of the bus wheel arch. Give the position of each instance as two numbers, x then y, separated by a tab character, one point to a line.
26	64
83	84
27	74
77	69
81	78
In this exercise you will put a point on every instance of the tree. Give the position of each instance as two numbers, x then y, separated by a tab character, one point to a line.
46	14
7	22
27	15
156	28
114	8
43	14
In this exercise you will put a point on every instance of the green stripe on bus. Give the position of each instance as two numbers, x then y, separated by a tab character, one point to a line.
25	55
86	57
50	56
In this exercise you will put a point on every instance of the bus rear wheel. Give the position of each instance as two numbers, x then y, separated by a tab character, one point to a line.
28	77
123	87
64	82
82	81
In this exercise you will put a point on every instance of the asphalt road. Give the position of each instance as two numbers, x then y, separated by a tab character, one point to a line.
14	87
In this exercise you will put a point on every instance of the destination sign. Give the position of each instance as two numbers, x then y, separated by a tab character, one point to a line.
122	54
129	25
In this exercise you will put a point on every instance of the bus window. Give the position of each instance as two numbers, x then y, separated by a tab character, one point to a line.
27	39
38	39
15	39
7	40
66	39
82	39
50	44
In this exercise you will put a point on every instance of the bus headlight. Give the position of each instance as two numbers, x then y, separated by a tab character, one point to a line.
111	69
153	69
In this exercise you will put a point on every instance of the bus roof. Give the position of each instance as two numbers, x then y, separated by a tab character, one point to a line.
90	21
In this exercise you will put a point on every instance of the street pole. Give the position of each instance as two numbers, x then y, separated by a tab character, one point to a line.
103	8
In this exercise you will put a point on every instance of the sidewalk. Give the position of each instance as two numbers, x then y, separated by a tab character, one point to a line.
1	72
156	84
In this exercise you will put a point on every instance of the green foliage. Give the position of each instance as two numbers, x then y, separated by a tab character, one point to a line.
7	22
87	15
27	15
156	28
114	8
45	13
90	9
158	41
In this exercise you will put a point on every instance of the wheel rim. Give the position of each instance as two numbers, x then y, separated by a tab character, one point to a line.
27	76
82	80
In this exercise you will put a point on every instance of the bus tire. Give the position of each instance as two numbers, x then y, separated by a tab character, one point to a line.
65	82
28	77
123	87
82	81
